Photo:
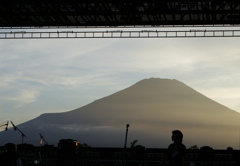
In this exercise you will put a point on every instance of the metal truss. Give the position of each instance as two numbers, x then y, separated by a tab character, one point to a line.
80	13
119	34
44	19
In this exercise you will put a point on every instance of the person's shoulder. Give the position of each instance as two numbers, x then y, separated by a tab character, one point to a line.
183	145
171	146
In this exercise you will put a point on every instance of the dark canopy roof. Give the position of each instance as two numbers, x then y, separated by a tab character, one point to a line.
77	13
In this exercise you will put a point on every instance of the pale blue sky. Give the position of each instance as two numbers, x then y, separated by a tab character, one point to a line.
57	75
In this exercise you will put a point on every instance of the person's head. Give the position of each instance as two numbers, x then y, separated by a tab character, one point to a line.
177	135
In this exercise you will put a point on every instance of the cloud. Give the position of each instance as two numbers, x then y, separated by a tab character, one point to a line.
8	78
78	128
24	97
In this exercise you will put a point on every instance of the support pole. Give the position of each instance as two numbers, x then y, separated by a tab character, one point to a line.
125	144
22	134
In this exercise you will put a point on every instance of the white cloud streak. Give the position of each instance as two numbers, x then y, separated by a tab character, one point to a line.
24	97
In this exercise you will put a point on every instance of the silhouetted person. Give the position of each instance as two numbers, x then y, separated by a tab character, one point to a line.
176	151
67	152
206	153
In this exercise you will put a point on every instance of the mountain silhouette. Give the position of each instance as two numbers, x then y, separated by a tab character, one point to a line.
153	108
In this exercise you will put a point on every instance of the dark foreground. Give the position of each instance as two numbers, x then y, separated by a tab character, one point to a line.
28	155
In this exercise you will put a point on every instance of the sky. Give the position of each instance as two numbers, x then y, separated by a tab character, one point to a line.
58	75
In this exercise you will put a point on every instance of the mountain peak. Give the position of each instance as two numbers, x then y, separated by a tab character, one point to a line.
156	81
158	88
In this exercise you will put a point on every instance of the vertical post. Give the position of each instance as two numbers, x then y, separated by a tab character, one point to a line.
23	138
125	144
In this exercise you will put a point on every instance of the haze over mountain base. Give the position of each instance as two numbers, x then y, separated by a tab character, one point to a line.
153	108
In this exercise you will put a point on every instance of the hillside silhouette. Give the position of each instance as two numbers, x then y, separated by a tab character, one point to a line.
153	108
